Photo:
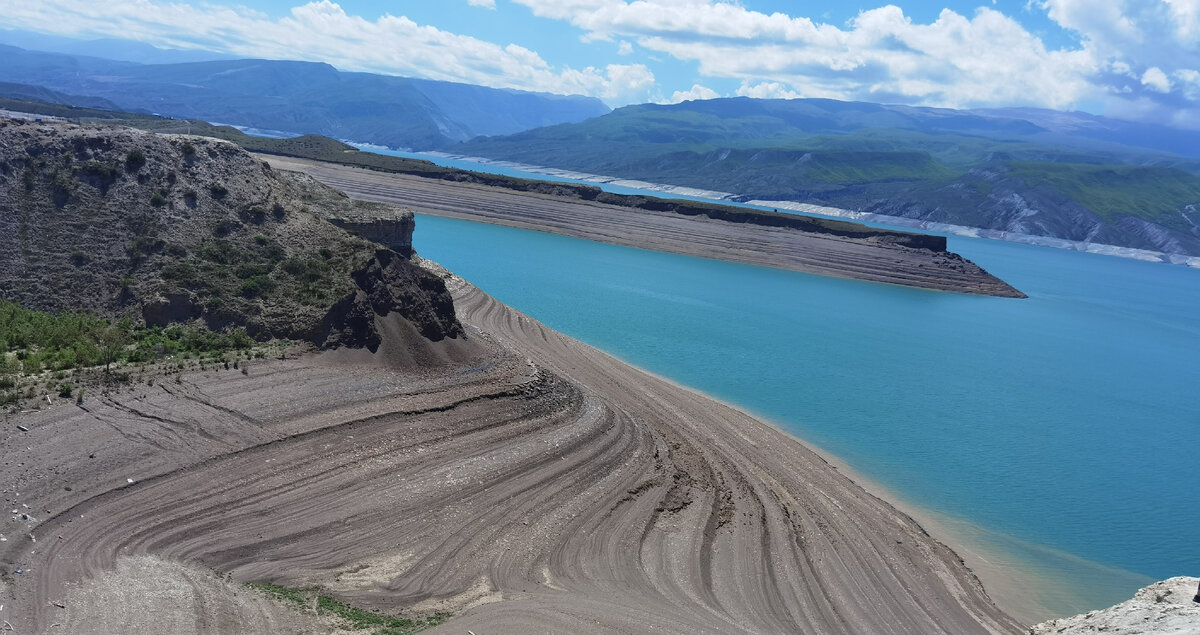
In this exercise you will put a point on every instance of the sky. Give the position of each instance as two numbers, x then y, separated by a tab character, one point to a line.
1131	59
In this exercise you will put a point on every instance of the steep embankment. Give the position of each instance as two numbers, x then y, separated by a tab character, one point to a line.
164	229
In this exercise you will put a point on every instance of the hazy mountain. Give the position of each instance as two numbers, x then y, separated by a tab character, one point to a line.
107	48
301	97
38	93
1066	175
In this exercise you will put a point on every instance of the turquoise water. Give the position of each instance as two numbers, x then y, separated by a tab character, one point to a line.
1066	426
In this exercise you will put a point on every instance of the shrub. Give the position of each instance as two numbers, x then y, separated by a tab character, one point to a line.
158	200
218	191
256	286
135	160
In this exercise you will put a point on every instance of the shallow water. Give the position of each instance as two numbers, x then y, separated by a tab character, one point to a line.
1060	431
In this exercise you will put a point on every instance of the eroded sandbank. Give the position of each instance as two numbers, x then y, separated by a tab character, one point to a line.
869	259
540	485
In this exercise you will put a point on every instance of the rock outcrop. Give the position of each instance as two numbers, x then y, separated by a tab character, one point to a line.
173	228
1169	607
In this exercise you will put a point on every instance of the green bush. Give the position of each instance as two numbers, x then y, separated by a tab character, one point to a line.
69	340
135	160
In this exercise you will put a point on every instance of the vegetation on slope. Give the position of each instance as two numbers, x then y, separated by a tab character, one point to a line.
1111	191
356	618
1092	183
33	341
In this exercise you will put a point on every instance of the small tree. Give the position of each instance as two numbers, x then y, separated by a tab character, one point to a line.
111	340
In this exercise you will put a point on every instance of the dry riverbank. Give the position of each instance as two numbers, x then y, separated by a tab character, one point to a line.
540	485
875	259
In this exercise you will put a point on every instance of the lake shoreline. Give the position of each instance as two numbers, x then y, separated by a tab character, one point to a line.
875	256
897	222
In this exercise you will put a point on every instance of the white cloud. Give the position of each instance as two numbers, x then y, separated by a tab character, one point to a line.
624	48
984	59
1156	80
767	90
486	4
323	31
696	92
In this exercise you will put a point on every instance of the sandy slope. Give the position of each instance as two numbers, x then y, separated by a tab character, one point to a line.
541	486
859	259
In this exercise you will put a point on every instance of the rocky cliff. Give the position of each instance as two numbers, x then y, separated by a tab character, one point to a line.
170	228
1163	608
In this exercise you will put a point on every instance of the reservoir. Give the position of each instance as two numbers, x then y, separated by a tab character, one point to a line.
1059	435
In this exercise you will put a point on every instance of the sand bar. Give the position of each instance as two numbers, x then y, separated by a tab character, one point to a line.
779	247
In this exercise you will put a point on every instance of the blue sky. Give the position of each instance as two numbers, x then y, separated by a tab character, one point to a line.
1136	59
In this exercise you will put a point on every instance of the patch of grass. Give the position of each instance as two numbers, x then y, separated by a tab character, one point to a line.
358	619
1110	191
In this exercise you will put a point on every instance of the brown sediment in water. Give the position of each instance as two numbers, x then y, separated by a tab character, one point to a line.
829	248
527	483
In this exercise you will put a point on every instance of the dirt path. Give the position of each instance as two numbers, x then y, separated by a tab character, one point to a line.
777	247
543	486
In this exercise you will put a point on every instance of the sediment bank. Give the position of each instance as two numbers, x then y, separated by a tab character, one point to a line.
864	254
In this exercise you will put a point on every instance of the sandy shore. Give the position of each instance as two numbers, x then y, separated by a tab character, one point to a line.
783	248
538	486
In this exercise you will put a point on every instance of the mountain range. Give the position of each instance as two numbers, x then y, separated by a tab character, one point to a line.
300	97
1071	176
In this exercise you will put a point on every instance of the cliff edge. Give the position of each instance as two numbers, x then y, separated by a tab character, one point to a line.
165	229
1163	608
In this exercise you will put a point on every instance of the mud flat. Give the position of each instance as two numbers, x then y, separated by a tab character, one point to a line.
871	255
534	485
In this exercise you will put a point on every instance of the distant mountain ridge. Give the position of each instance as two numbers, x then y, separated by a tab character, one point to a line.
1071	176
301	97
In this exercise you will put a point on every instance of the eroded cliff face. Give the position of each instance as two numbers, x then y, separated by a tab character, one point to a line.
1169	607
992	198
173	228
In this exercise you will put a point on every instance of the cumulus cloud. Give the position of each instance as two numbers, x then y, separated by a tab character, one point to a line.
323	31
985	58
1149	50
1156	80
766	90
486	4
696	92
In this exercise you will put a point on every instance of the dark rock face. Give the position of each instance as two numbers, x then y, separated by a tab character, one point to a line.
174	307
393	233
173	228
390	284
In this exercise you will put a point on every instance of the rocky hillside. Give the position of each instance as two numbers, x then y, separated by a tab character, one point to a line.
172	228
1059	175
1163	608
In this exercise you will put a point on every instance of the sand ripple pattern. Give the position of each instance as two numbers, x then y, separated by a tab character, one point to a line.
543	487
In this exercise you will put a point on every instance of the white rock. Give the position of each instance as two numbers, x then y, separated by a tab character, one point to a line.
1163	608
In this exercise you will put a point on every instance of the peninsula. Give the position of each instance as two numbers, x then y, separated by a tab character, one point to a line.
420	455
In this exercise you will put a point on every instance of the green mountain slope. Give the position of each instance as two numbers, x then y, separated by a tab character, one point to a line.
1063	175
